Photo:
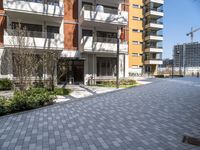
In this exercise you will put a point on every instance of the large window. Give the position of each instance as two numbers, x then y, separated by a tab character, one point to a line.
51	31
31	30
106	66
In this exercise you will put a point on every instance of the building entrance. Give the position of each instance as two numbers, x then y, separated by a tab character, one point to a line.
71	71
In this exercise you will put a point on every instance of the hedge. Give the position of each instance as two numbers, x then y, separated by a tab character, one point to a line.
5	84
25	100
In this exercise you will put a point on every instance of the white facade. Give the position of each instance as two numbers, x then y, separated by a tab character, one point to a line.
95	47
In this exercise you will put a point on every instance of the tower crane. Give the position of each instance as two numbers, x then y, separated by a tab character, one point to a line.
191	33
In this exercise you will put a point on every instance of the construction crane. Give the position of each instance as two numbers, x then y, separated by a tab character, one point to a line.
191	34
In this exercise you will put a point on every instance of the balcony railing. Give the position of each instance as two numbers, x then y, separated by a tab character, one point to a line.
104	9
154	59
33	39
48	2
37	34
154	9
106	40
154	21
154	34
101	44
153	46
35	7
105	15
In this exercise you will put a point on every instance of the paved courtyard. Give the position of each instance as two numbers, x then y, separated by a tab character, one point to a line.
149	117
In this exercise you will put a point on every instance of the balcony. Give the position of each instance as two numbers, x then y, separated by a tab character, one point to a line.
153	62
154	24
108	17
156	12
55	9
161	2
153	36
153	50
32	39
105	45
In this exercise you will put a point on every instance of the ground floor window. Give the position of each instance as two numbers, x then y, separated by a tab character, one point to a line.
106	66
27	65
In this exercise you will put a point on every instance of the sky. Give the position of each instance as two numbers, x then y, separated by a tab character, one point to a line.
180	16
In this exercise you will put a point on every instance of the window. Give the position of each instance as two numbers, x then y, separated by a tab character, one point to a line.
135	66
51	30
32	30
136	30
136	42
135	54
137	18
87	33
87	6
106	66
136	6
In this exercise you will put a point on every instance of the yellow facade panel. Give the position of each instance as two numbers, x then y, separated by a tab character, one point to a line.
134	36
135	49
135	61
137	2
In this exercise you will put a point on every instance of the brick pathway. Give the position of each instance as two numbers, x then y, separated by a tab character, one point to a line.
150	117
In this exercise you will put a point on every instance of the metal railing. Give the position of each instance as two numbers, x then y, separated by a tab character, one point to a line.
154	46
49	2
154	21
153	34
154	9
106	40
105	10
25	33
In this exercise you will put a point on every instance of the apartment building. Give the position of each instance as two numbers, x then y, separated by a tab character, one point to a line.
84	32
145	35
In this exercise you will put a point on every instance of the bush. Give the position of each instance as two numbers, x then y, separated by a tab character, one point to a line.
5	84
25	100
62	91
112	83
160	76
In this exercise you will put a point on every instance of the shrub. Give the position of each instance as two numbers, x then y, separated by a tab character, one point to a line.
25	100
39	84
112	83
5	84
62	91
160	76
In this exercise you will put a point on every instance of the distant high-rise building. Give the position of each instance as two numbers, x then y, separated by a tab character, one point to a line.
187	55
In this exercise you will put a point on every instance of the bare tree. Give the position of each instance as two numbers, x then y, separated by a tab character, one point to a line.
25	62
50	61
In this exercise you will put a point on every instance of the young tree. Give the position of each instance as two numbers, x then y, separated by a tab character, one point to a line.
25	62
50	61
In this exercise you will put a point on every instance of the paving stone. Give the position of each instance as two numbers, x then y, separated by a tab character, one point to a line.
153	117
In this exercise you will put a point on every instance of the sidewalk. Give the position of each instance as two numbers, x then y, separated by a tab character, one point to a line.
81	91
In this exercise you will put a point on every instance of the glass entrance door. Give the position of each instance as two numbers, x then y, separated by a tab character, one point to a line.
71	70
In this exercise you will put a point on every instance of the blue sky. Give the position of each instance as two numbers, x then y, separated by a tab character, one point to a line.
180	16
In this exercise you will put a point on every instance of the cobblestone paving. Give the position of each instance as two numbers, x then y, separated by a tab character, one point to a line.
150	117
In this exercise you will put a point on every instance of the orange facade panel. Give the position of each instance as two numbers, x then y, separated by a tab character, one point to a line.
71	10
71	36
2	22
70	24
